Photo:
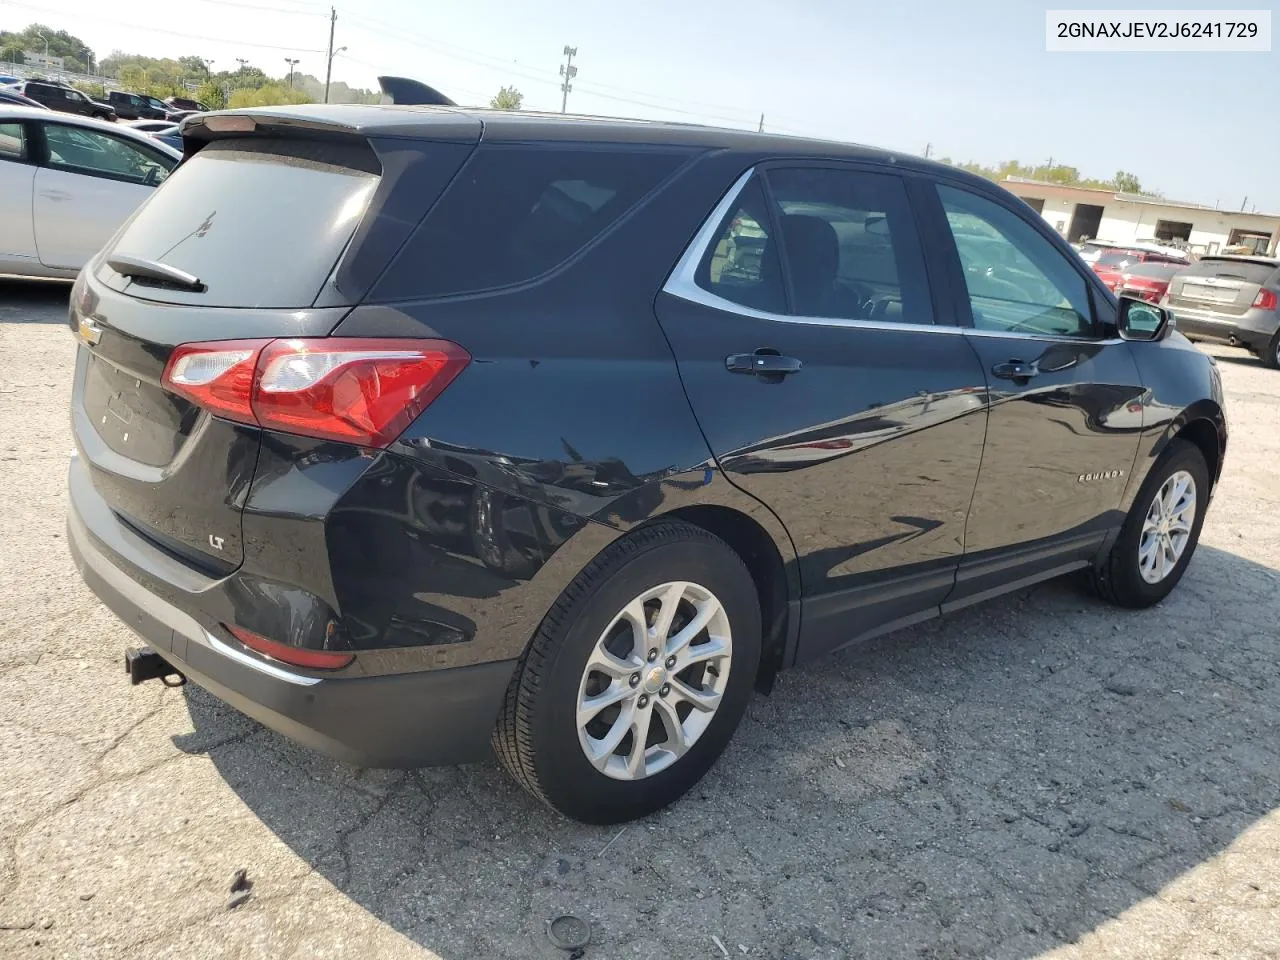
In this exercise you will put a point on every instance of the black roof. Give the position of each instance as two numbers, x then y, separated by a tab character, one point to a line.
469	124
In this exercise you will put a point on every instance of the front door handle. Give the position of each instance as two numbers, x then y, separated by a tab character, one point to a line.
765	364
1017	370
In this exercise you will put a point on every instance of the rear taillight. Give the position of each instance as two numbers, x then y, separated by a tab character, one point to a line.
297	656
1265	300
356	390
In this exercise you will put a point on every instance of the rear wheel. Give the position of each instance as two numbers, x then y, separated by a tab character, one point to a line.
1161	532
637	677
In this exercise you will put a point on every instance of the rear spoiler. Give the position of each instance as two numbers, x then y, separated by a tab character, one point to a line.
404	90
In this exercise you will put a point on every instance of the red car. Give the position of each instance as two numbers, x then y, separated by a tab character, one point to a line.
1146	281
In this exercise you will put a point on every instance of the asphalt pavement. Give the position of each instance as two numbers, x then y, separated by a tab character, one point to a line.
1042	776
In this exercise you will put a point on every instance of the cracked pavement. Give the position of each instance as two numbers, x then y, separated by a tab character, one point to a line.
1040	776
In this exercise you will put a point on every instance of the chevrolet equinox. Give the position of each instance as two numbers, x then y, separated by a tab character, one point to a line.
408	431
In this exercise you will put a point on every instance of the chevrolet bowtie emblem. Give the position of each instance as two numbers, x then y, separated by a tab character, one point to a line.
89	331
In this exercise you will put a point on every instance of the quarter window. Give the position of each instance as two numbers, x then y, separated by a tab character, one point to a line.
1018	282
851	250
82	150
516	212
13	142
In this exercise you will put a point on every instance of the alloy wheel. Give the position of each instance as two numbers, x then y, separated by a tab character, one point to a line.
1166	531
654	680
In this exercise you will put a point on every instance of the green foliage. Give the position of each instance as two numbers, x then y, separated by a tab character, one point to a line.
211	95
508	98
266	96
1058	173
1126	182
11	53
61	43
339	92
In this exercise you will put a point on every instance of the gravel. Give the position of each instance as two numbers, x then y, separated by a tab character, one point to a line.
1043	775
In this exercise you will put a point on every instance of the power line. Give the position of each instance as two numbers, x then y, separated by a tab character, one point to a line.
143	28
264	8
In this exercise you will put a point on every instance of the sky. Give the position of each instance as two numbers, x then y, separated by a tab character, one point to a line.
971	80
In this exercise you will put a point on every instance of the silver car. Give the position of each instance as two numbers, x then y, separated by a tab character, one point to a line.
1230	299
66	185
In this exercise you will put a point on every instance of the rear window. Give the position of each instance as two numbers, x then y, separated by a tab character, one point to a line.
1247	270
1156	269
515	212
260	221
1116	258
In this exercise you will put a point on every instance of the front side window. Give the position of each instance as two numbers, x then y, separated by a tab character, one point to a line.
1018	282
851	250
81	150
13	142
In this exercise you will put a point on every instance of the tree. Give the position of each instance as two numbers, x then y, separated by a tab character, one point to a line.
1126	182
508	98
211	95
12	54
194	66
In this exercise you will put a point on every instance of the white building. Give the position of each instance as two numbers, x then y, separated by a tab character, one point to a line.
1078	212
34	59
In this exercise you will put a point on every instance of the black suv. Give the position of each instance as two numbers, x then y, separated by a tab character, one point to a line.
406	430
65	99
137	106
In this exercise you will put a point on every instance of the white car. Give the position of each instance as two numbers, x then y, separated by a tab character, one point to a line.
66	185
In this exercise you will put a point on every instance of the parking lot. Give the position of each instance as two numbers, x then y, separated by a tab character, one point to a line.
1040	776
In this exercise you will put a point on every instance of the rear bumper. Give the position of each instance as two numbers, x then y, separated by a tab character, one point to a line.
1248	330
423	718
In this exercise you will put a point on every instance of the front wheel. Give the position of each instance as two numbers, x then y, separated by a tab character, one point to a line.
1272	356
637	677
1161	531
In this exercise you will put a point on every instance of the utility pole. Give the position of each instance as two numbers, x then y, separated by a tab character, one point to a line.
1243	202
292	63
568	71
760	129
928	149
328	70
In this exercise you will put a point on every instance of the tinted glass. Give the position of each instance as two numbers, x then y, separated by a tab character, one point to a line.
515	212
260	221
1156	270
742	265
81	150
1247	270
1017	280
13	142
1116	258
850	244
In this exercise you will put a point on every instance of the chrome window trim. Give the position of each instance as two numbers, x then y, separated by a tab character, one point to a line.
682	283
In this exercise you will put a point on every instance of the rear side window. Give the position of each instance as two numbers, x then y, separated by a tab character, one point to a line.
517	211
851	246
260	221
1246	270
13	142
742	266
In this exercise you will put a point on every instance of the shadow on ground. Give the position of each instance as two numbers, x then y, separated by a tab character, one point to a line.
994	784
33	301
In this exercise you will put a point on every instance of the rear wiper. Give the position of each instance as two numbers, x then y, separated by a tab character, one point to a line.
160	274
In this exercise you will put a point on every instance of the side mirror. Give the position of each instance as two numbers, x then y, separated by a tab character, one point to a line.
1138	320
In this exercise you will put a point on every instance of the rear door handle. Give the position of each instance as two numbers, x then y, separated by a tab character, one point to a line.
1016	370
767	365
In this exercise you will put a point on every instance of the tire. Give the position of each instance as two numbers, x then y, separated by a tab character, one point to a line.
538	737
1119	577
1272	357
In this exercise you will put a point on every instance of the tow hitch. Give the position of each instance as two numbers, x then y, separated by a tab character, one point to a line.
143	663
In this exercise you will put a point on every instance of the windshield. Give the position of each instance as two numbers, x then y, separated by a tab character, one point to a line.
1156	271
